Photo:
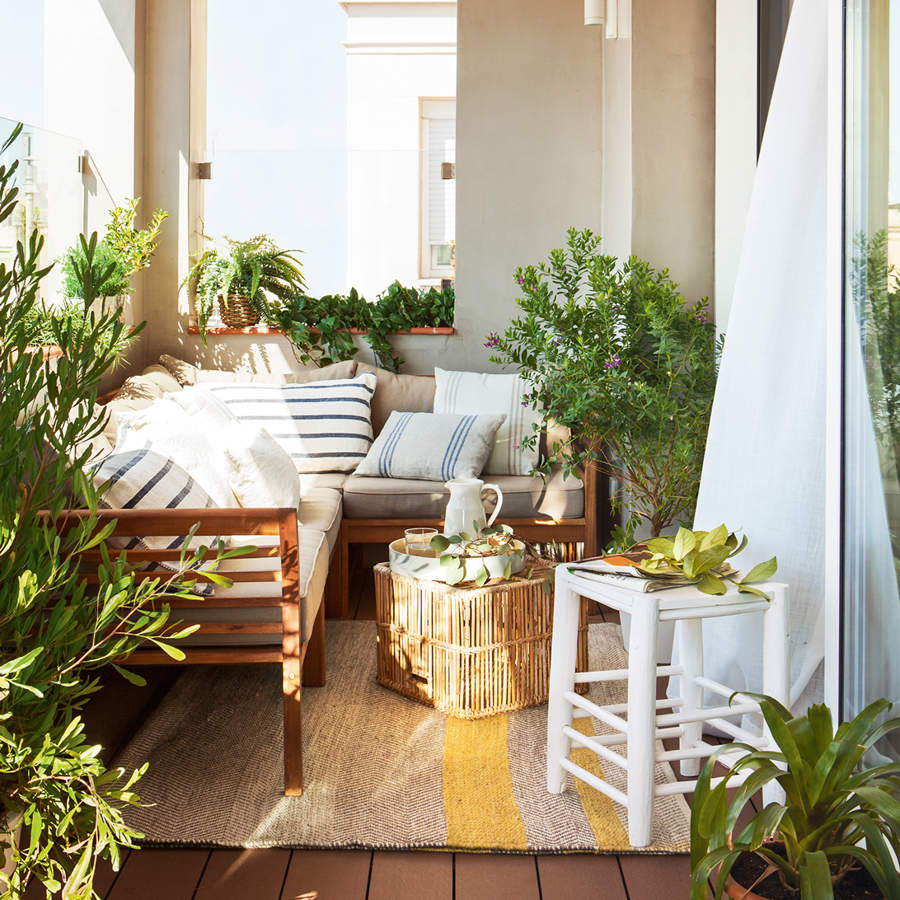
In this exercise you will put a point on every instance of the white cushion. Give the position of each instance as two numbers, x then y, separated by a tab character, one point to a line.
476	392
260	473
205	408
167	429
324	426
431	447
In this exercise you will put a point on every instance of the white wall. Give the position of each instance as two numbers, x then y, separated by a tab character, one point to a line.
396	54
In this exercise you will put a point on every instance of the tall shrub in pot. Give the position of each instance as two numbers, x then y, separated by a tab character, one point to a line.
57	626
615	353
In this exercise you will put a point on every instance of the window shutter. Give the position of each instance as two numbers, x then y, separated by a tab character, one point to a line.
441	192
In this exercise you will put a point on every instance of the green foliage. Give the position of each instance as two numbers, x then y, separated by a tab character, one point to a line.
113	283
132	246
483	542
253	268
42	322
836	814
123	251
319	328
56	629
614	353
701	557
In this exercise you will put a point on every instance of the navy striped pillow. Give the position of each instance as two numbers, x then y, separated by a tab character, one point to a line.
142	479
324	426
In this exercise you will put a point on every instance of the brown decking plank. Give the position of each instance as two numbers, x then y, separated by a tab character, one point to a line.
152	874
425	876
332	874
656	876
237	874
580	877
481	875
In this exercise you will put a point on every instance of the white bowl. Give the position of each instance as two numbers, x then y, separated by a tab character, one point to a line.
428	567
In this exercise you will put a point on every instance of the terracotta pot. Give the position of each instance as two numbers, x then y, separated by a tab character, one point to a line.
738	892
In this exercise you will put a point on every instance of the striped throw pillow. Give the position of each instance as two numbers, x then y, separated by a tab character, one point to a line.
477	392
142	479
431	447
324	426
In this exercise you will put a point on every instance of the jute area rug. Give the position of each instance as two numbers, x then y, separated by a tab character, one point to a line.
380	771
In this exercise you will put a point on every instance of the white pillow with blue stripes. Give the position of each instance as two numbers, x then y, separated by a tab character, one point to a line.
432	446
324	426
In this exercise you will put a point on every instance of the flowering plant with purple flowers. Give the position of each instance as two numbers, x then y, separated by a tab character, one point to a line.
613	351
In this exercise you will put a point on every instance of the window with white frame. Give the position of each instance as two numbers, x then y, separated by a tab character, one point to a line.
437	216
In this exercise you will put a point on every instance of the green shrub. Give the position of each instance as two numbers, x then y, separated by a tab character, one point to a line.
56	628
615	353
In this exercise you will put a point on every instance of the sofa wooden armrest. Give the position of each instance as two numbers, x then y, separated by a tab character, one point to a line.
300	660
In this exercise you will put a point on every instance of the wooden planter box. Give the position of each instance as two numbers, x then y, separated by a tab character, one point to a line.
468	652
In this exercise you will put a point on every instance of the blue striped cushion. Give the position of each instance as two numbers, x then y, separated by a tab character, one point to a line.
432	447
324	426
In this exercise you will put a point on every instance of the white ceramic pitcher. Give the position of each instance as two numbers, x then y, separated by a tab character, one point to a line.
464	509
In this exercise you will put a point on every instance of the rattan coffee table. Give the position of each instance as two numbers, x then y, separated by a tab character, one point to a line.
467	651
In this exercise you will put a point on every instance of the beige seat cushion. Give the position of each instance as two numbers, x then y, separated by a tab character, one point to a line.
313	573
523	496
310	480
404	393
320	509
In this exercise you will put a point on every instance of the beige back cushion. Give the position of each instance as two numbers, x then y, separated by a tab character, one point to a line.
403	393
187	373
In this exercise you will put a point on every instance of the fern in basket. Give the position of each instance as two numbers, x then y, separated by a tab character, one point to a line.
252	268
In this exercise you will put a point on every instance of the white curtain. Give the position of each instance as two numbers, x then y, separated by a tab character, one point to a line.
764	467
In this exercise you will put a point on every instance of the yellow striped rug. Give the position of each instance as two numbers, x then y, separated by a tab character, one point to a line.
381	771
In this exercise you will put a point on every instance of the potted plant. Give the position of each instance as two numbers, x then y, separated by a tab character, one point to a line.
614	353
835	833
123	252
239	275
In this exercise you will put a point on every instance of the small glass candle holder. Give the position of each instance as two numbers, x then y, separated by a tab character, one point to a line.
418	541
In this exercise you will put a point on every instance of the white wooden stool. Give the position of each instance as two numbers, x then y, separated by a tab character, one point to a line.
644	725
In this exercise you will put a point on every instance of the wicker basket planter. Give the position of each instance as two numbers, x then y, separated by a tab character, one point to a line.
238	312
468	652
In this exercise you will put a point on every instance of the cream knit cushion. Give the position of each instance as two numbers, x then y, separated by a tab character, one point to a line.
260	473
167	429
431	447
476	392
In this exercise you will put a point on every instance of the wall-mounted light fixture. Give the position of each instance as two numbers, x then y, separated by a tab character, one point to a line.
594	12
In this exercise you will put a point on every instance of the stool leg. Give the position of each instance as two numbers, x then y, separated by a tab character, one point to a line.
776	666
690	650
641	718
566	607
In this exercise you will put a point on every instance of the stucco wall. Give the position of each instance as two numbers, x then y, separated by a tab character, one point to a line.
673	138
528	151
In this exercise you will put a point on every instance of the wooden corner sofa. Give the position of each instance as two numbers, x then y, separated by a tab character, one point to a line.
274	612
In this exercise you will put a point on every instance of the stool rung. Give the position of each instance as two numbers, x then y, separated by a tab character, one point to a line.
740	734
702	749
686	787
712	611
705	715
598	712
595	782
660	704
621	674
621	738
721	689
592	744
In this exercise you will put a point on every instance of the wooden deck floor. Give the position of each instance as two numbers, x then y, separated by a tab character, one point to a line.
154	874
